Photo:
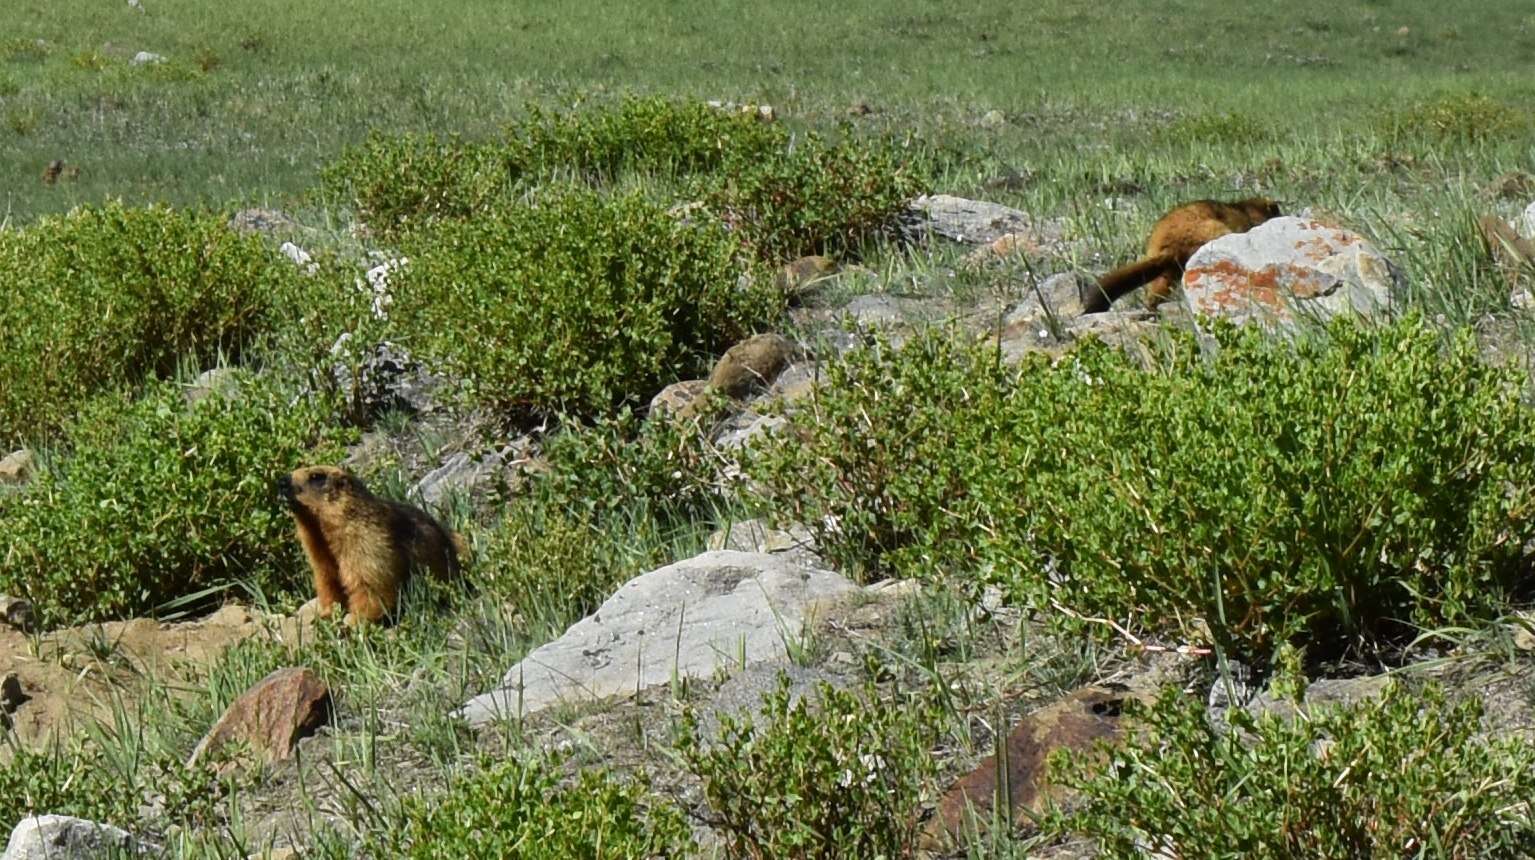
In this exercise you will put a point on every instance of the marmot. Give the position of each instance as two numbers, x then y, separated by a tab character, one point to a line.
1174	239
362	548
52	172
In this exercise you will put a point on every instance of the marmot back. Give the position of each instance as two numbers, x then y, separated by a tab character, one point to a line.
362	549
1174	239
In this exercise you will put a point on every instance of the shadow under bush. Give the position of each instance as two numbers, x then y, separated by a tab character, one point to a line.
1341	487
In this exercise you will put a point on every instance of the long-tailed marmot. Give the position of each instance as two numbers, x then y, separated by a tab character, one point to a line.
361	548
1174	239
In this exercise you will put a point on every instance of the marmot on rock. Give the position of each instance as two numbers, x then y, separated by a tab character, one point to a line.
1174	239
361	548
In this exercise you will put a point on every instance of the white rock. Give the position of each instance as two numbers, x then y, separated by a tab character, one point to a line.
378	283
143	58
973	222
60	837
1525	223
1288	269
300	257
718	611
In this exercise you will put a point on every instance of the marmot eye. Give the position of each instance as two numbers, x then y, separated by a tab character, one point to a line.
316	480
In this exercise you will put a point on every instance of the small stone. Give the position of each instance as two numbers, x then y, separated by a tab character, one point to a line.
271	716
752	364
300	257
993	119
143	58
18	467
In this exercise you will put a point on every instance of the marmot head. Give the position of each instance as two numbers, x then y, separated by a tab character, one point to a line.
1260	209
318	487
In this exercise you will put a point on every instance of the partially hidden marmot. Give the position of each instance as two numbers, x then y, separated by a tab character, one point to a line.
1174	239
362	548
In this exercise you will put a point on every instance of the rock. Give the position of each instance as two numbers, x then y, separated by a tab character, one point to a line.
222	382
1058	296
382	379
146	58
715	612
300	257
60	837
798	278
271	716
260	221
1525	223
747	426
972	222
763	113
1006	245
758	536
1288	269
681	399
796	382
464	475
993	119
17	612
18	467
1259	701
881	310
752	364
1076	723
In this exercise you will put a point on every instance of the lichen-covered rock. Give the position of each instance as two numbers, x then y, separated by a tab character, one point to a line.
271	716
1289	269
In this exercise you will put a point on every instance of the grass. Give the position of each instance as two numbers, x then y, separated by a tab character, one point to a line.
1391	117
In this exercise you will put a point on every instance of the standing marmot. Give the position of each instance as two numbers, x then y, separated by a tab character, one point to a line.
1174	239
362	548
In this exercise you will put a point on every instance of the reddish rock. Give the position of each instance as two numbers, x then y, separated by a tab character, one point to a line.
271	716
1075	723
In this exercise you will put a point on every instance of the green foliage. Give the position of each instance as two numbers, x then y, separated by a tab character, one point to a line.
1461	118
1332	488
816	198
575	304
157	499
1215	129
840	778
520	808
1405	775
785	196
105	296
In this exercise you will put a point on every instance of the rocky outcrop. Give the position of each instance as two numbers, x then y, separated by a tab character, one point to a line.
715	612
1290	269
285	706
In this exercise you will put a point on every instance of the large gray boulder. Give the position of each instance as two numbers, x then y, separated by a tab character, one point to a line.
719	611
1290	269
60	837
972	222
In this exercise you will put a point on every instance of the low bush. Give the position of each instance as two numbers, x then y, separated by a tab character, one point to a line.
830	775
1462	118
154	500
1403	776
522	808
105	296
1340	487
576	303
397	183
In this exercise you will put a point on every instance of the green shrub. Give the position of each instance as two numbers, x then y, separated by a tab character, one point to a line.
155	499
813	198
841	777
1338	487
1216	129
1464	118
397	183
1402	776
521	809
577	303
103	297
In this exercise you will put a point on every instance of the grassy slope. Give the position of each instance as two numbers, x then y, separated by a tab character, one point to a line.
289	83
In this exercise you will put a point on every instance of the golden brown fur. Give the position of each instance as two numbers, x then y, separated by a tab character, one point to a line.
362	548
1174	239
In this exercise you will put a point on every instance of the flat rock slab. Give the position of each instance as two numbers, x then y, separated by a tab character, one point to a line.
972	222
60	837
1288	269
721	610
272	716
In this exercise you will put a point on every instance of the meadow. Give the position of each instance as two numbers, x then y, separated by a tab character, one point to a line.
1369	513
